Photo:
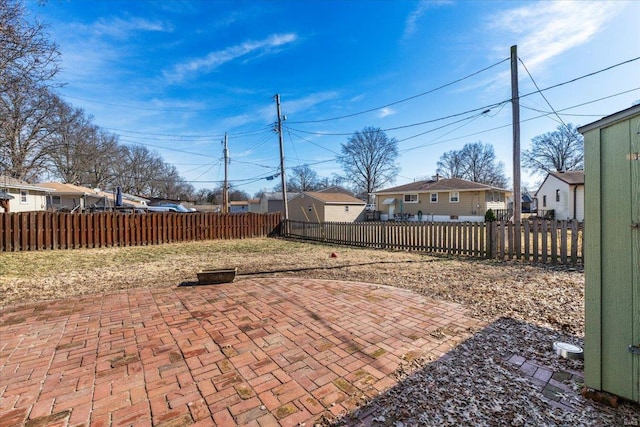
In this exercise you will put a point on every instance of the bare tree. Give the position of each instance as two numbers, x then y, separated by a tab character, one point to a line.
474	162
28	64
560	150
99	171
302	178
170	185
26	54
451	164
369	159
26	127
73	144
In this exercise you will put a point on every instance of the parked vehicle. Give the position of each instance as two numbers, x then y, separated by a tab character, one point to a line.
168	207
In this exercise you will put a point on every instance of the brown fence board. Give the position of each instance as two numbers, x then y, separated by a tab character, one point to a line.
29	231
495	240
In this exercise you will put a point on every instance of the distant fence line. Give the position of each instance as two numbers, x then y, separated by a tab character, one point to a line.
536	241
31	231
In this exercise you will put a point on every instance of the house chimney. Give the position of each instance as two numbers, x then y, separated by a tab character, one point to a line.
436	177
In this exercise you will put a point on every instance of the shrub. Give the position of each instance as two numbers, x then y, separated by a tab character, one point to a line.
489	216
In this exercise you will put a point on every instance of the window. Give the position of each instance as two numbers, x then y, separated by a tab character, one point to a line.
411	198
454	197
544	201
434	197
346	208
557	195
55	200
23	196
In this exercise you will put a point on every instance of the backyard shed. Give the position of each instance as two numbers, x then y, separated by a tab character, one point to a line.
612	253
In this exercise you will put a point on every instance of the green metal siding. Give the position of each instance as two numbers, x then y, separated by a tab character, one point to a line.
612	263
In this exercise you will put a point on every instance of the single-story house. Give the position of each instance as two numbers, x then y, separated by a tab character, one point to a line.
273	201
238	206
76	198
562	193
313	206
20	196
440	199
70	197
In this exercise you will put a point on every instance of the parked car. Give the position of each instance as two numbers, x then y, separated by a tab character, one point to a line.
168	207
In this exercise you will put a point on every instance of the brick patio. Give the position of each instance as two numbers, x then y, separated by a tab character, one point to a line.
261	352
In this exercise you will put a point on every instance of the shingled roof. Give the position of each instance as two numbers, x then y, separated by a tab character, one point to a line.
341	198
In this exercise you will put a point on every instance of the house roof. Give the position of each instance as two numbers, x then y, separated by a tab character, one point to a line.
239	202
333	198
443	184
68	189
334	189
277	195
570	177
8	182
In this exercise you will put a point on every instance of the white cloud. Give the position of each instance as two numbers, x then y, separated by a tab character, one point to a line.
220	57
386	111
422	7
547	29
122	28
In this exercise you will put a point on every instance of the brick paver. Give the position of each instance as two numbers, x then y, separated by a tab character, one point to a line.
265	352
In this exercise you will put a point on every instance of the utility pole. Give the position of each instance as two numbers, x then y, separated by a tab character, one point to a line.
282	174
515	108
225	187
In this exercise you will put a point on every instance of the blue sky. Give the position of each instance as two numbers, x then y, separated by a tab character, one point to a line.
174	76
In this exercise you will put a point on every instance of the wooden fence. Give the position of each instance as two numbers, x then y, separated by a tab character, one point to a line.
535	241
31	231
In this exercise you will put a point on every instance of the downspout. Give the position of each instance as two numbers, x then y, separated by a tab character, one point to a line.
575	198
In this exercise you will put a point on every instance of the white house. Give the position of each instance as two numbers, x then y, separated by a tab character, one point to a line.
562	193
24	196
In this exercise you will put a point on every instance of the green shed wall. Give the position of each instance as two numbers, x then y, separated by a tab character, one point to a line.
612	248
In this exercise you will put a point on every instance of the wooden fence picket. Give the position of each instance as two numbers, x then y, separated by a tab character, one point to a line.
30	231
530	241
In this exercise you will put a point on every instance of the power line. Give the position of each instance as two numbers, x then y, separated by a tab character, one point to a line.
582	77
313	143
166	148
542	94
264	129
485	108
405	99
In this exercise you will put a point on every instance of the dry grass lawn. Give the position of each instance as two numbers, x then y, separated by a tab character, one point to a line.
489	289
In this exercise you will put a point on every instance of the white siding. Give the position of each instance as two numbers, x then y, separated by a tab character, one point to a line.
36	201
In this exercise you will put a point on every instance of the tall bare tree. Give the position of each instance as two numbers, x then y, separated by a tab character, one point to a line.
368	159
451	164
474	162
560	150
99	171
26	53
26	127
28	64
73	144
